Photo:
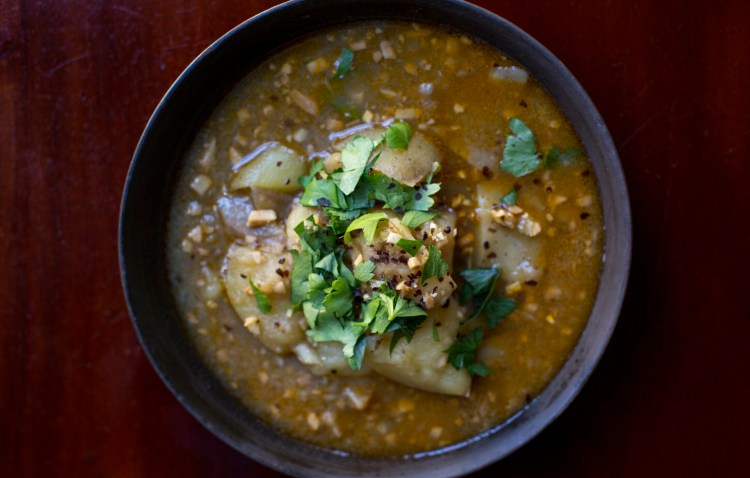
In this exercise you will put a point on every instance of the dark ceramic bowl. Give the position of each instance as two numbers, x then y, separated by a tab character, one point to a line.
158	160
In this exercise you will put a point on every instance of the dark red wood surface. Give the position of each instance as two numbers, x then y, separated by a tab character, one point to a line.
78	81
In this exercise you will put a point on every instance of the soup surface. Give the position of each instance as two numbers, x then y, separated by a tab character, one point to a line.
483	276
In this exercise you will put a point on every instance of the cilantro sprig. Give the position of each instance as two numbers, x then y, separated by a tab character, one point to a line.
478	288
261	299
520	155
463	352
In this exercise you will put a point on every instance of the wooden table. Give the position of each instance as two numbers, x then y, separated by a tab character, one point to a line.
78	81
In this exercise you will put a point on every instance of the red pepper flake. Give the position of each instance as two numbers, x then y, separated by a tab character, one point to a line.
585	215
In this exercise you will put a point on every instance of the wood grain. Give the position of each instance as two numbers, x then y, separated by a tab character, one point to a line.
78	81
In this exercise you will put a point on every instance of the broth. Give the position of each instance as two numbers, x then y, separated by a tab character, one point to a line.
460	95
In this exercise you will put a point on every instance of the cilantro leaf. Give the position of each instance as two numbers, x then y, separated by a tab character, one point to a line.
330	329
364	271
435	334
420	198
301	269
358	354
478	368
314	169
412	247
261	299
435	265
329	264
511	198
355	158
313	238
479	282
397	135
463	351
369	225
347	274
323	192
344	63
414	219
404	328
496	309
340	298
520	156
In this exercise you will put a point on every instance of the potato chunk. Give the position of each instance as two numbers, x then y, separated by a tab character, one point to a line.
405	166
515	253
422	363
278	330
396	266
271	166
326	358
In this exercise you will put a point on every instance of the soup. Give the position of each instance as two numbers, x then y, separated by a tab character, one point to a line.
386	239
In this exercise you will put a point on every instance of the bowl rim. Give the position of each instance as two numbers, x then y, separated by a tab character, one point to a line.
298	458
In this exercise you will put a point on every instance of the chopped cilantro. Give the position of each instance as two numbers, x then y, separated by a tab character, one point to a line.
479	281
479	288
355	361
338	300
261	299
369	225
511	198
412	247
329	264
463	352
435	334
355	158
397	135
435	265
316	167
496	309
314	238
414	219
344	63
364	271
520	156
301	269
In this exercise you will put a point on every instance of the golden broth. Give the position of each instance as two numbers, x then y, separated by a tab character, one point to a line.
442	84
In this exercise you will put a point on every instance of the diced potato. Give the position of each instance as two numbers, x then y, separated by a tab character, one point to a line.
398	267
277	330
516	254
325	358
406	166
297	214
271	166
422	363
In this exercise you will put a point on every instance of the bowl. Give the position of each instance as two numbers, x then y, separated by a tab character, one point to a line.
156	165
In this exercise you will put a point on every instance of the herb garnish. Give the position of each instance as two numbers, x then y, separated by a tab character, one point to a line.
412	247
414	219
363	271
520	155
322	285
398	135
463	352
511	198
344	63
261	299
479	288
435	265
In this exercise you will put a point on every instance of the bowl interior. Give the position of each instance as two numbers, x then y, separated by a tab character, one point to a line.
157	162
